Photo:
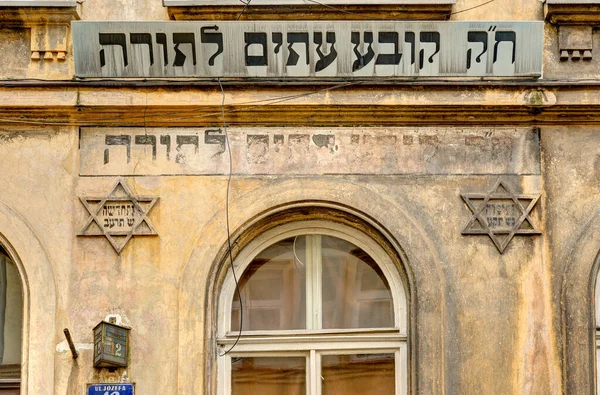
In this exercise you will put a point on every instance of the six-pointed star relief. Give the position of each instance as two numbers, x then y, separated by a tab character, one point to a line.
118	216
500	214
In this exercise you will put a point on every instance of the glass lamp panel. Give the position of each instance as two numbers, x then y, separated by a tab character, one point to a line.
355	291
273	289
358	374
268	376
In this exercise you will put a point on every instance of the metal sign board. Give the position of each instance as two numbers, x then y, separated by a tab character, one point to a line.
111	345
111	389
300	49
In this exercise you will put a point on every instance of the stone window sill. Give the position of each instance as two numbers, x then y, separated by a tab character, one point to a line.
307	10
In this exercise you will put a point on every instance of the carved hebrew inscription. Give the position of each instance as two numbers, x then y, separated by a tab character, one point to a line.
307	49
397	150
118	216
501	214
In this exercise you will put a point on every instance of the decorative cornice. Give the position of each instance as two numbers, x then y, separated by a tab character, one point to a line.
425	11
317	106
50	27
577	12
575	20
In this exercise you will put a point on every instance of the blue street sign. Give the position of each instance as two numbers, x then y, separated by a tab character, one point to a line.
111	389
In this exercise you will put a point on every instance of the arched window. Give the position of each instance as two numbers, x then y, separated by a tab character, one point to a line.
597	332
11	322
323	311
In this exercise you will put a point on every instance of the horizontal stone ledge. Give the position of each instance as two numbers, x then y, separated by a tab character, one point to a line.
330	116
346	99
295	97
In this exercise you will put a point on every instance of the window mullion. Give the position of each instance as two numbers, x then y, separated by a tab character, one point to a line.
313	282
314	372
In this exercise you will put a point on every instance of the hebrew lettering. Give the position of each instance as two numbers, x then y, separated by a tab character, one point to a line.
143	38
215	136
215	38
107	39
166	141
505	37
428	37
147	140
324	60
277	40
476	37
393	58
293	56
183	38
185	140
161	39
362	60
409	38
117	140
294	150
307	49
254	39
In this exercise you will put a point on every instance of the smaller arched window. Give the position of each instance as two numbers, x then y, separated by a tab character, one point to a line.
597	331
11	323
323	311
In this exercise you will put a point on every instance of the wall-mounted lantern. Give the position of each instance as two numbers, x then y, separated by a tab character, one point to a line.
111	345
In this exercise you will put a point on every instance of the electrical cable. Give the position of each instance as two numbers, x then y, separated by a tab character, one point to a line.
246	4
119	120
334	8
237	285
356	13
472	8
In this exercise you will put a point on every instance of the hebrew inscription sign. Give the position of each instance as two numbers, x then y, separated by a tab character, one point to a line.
501	214
118	216
306	151
292	49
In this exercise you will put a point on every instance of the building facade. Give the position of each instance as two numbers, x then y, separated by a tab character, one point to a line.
298	196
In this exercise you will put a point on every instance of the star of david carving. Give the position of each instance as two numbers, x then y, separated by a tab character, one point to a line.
501	214
118	216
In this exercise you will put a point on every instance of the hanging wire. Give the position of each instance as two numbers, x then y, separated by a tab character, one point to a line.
334	8
246	4
119	120
237	286
472	8
357	13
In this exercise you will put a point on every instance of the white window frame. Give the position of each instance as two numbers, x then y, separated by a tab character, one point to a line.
312	343
597	330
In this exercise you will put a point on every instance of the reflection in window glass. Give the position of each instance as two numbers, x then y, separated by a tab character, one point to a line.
273	289
355	291
11	317
268	376
358	374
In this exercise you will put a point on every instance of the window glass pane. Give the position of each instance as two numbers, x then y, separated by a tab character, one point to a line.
11	317
355	291
364	374
268	376
273	289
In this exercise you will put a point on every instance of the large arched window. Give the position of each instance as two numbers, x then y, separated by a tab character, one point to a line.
323	311
11	322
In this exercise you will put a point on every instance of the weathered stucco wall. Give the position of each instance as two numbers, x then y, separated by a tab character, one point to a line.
485	322
482	321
